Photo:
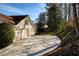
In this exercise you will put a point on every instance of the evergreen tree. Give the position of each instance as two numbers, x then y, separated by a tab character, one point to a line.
41	22
53	16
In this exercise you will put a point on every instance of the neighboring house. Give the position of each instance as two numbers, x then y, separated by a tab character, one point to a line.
23	25
7	19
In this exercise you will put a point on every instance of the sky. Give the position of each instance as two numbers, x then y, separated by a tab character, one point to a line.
31	9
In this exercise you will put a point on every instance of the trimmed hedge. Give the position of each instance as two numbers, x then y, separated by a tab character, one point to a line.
6	35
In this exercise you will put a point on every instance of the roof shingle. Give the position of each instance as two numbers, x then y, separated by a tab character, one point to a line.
6	19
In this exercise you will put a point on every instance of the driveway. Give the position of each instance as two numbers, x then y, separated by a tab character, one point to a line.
33	46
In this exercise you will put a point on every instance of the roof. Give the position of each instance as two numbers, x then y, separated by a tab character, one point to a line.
6	19
18	18
14	19
31	21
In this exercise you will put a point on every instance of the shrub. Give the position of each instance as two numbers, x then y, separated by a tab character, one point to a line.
6	35
68	25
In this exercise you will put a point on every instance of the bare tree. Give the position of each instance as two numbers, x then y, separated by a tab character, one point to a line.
78	10
75	19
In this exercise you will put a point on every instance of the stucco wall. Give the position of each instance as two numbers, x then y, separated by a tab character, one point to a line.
22	30
20	34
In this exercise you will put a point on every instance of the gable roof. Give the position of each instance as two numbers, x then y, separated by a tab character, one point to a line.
18	18
30	21
14	19
6	19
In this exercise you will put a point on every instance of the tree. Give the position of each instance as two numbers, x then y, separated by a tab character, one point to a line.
53	16
78	9
6	35
69	10
41	22
75	19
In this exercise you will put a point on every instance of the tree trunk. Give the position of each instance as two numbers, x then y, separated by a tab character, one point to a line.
75	19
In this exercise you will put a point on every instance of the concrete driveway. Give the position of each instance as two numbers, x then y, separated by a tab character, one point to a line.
33	46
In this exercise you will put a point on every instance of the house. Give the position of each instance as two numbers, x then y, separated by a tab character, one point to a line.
22	24
23	27
7	19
